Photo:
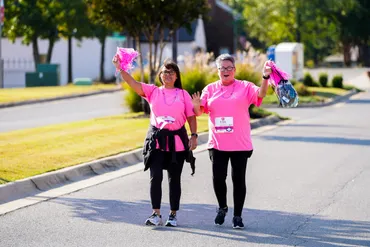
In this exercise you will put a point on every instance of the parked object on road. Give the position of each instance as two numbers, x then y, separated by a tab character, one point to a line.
167	145
227	102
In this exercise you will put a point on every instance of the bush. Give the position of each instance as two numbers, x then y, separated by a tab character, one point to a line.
194	80
246	72
301	89
310	64
337	81
316	84
308	80
323	79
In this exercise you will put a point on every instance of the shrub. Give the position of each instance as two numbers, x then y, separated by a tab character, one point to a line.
337	81
301	89
132	99
323	79
310	64
308	80
194	80
316	84
246	72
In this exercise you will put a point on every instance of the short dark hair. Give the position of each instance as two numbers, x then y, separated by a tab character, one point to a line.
224	57
169	64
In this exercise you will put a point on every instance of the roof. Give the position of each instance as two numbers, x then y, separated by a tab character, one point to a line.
287	46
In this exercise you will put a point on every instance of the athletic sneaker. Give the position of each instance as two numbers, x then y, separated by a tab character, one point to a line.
238	222
220	217
171	221
154	220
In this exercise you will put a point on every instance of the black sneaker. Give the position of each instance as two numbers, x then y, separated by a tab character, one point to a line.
171	221
238	222
220	217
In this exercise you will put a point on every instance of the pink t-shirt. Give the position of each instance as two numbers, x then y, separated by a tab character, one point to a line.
169	108
229	121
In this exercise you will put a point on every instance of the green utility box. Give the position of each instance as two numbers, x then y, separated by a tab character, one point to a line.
83	82
45	75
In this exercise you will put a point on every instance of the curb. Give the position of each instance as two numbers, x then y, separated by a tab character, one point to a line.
28	102
40	183
320	104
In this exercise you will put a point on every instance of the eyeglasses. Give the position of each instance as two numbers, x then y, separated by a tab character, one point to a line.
223	69
168	72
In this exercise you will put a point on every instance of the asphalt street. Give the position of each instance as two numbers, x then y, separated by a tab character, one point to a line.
61	111
307	184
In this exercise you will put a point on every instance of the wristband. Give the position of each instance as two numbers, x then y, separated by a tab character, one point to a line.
194	134
266	77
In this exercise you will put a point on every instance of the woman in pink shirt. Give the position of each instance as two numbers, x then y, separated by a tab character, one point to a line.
227	102
167	145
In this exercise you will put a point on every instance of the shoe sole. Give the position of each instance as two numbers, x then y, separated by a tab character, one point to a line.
171	225
238	227
149	223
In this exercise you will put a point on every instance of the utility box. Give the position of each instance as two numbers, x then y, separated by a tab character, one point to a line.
45	75
289	58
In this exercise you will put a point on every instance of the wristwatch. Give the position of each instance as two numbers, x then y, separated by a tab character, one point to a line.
194	134
265	77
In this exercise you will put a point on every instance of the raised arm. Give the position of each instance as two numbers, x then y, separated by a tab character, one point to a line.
136	86
264	84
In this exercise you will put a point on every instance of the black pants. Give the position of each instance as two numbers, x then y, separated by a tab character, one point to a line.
162	160
220	161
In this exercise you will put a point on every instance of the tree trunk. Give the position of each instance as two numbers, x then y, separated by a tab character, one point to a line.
35	50
174	45
347	54
70	59
50	50
102	58
144	103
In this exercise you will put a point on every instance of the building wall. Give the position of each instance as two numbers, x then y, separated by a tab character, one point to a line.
18	59
219	30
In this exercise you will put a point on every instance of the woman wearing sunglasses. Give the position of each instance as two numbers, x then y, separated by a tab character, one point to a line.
227	102
167	145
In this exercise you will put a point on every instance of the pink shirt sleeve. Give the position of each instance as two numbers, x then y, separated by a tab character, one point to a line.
252	94
148	90
189	109
204	99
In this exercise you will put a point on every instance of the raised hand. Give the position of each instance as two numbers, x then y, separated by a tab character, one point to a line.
195	99
116	61
266	68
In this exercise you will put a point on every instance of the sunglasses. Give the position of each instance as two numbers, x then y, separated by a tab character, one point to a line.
168	72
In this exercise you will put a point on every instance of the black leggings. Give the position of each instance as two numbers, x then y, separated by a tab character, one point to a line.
160	161
220	161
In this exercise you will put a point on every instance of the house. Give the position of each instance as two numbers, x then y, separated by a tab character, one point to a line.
220	29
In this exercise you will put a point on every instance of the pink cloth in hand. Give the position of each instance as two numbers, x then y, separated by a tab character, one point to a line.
277	74
127	57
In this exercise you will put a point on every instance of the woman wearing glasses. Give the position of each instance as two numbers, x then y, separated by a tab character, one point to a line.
167	145
227	102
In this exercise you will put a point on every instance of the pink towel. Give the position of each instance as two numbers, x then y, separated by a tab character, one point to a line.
127	57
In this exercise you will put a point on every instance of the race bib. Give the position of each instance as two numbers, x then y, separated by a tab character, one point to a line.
164	120
224	124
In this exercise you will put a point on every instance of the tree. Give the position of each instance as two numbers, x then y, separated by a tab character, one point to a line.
31	20
73	23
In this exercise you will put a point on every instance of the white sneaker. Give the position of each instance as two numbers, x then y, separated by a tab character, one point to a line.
172	221
154	220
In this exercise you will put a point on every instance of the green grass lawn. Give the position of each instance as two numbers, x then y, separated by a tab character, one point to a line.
319	94
11	95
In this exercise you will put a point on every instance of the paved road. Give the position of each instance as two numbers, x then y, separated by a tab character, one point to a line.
61	111
307	186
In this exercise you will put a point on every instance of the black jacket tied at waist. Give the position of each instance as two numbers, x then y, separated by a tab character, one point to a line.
162	135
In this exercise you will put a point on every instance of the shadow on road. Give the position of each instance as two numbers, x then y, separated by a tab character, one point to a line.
262	226
319	139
